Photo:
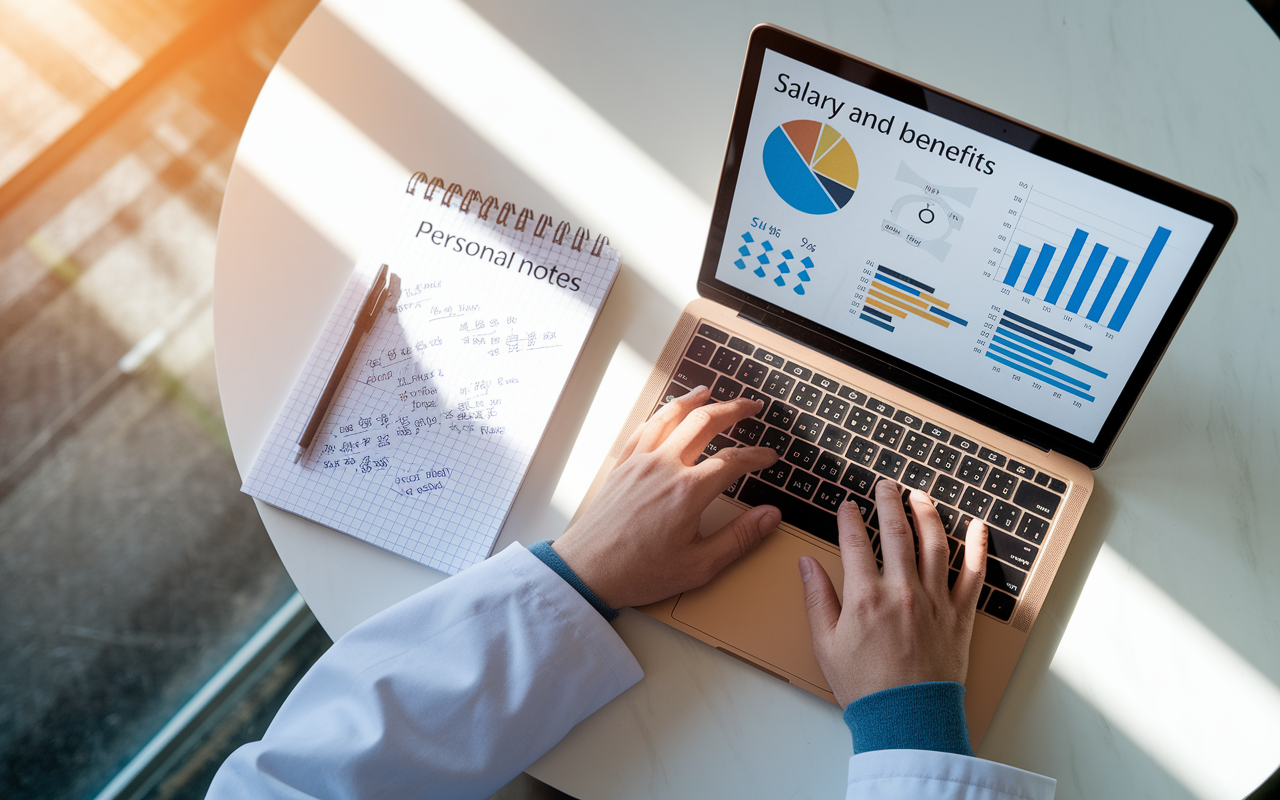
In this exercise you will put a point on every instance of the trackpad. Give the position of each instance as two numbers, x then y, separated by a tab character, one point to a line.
756	605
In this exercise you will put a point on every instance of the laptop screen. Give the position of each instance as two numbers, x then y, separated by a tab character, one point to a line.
948	245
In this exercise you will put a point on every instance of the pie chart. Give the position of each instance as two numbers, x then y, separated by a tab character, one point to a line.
811	166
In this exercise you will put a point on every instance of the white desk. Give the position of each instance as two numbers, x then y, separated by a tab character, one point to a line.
1153	670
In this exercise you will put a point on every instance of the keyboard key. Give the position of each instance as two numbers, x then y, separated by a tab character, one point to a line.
830	466
953	545
776	439
860	421
824	383
806	397
1056	485
752	394
972	471
910	420
944	458
829	496
866	507
726	389
674	390
916	445
753	373
694	375
802	484
887	434
733	487
1037	500
742	345
778	385
1033	528
795	370
1003	515
1021	470
781	415
991	457
777	474
801	454
717	444
852	395
941	434
833	409
769	359
880	407
1043	479
862	451
700	350
748	431
1004	576
986	592
1000	483
834	438
953	575
726	361
918	476
947	490
889	464
858	480
975	502
964	445
805	516
808	427
1000	606
957	558
1011	550
950	517
714	334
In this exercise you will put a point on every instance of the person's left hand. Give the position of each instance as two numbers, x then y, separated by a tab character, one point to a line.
639	542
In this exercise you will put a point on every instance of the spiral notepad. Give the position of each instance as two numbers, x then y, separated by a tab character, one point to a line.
446	401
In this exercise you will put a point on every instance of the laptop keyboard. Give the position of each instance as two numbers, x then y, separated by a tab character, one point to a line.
835	442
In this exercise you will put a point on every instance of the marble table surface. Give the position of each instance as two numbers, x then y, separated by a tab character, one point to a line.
1153	669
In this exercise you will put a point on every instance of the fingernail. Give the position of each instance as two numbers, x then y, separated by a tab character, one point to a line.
806	569
769	520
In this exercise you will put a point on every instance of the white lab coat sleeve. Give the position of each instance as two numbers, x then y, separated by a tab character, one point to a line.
448	694
930	775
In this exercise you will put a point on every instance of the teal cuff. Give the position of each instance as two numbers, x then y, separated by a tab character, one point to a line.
551	558
919	716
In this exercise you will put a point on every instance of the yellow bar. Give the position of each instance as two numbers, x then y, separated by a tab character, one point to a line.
912	309
888	309
915	301
934	300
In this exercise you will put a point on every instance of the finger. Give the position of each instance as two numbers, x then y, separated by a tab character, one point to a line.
720	471
856	553
935	556
820	602
656	430
974	569
896	543
737	538
702	424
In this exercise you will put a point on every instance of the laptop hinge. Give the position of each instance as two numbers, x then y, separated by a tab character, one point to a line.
1037	445
753	314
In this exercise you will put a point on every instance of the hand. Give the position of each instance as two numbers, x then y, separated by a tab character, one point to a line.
903	626
639	542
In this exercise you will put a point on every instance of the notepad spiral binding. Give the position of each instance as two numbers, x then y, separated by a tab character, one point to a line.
488	204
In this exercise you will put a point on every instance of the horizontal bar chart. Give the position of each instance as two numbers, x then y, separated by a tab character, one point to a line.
894	296
1043	354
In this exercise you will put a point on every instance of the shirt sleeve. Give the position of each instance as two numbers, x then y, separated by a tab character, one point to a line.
450	693
930	775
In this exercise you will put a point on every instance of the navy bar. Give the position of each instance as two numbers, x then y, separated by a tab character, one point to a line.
1049	331
1039	337
902	277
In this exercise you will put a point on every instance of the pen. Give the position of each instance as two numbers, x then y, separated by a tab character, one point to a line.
364	321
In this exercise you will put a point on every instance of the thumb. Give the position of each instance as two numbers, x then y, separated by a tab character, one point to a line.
740	536
820	600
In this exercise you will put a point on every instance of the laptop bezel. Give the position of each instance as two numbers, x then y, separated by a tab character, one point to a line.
960	399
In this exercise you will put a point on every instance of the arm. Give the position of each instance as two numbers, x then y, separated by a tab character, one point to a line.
897	653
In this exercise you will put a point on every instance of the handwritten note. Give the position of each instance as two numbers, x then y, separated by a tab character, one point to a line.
441	412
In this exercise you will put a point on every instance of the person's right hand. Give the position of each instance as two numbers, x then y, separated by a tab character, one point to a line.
903	626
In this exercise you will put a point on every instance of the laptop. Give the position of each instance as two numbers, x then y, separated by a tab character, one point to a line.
922	289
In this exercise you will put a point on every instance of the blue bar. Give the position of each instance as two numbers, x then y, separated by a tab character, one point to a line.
1018	348
898	285
1007	334
1108	288
1139	278
1086	280
904	278
945	315
1015	269
1042	266
1038	376
1064	269
1019	359
875	321
877	313
1043	329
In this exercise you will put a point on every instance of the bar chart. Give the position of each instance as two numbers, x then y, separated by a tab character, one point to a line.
893	297
1044	355
1057	253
